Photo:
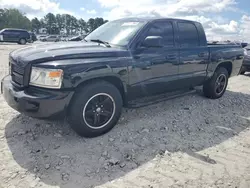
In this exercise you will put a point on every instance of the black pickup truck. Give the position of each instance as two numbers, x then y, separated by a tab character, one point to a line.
122	60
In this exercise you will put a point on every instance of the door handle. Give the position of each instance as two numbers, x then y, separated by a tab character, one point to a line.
202	54
171	57
137	57
146	65
146	68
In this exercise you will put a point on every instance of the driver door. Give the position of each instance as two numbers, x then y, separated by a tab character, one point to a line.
155	69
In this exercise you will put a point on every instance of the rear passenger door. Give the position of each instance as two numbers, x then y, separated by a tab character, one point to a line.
193	54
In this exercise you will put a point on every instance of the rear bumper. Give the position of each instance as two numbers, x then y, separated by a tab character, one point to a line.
35	102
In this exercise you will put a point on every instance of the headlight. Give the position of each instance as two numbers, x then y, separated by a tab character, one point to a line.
245	51
48	78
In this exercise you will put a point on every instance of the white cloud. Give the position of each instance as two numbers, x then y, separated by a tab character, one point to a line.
34	8
168	7
245	28
82	9
91	11
216	26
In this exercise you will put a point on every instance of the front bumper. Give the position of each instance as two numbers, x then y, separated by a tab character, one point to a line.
35	102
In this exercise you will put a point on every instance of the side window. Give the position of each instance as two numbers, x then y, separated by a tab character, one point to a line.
15	32
188	34
6	32
164	30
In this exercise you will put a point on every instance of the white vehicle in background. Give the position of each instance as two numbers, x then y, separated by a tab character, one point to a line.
51	38
41	37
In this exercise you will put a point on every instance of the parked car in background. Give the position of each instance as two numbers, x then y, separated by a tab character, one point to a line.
246	62
51	38
120	61
244	44
77	38
64	38
41	37
33	37
13	35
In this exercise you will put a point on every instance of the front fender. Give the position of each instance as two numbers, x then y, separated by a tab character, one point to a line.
98	72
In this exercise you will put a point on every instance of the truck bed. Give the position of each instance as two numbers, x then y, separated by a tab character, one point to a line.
225	53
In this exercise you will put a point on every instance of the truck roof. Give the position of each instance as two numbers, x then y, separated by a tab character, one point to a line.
149	19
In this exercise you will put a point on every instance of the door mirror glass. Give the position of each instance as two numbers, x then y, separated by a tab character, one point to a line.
153	41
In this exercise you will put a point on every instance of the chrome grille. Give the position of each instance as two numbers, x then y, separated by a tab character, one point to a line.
18	69
17	73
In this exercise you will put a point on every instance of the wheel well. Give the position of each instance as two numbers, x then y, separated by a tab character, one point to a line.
228	66
112	80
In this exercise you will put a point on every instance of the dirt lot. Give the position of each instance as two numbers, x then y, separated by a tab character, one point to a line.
185	142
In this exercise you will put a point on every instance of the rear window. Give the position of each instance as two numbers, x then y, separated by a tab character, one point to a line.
188	34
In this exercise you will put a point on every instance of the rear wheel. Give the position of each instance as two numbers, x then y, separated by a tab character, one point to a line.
95	109
217	85
22	41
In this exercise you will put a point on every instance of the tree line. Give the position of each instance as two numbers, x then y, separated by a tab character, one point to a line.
13	18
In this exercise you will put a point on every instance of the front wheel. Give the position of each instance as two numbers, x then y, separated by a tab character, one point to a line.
216	86
22	41
95	109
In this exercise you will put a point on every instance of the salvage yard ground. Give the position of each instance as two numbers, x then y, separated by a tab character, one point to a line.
184	142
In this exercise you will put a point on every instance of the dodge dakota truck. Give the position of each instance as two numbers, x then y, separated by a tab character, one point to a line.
90	81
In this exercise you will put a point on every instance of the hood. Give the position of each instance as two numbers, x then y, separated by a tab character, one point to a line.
65	50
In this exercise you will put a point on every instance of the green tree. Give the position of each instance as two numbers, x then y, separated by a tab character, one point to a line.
35	24
3	19
42	23
60	22
13	18
67	22
82	25
99	22
91	24
50	23
74	25
95	23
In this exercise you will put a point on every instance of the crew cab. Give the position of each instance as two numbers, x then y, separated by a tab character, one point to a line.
90	81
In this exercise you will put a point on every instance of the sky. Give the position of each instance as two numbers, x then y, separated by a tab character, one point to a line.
222	19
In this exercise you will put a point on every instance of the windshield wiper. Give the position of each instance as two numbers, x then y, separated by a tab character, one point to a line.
102	42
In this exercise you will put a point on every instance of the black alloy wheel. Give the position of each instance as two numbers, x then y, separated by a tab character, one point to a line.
99	110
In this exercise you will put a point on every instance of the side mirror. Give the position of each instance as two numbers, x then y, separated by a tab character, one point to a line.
153	41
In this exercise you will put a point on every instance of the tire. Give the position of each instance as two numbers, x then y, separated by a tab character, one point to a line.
80	115
242	72
22	41
214	90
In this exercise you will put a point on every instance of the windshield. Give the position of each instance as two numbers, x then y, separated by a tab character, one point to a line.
116	32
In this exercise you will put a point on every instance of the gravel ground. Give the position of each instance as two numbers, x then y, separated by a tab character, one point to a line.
184	142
